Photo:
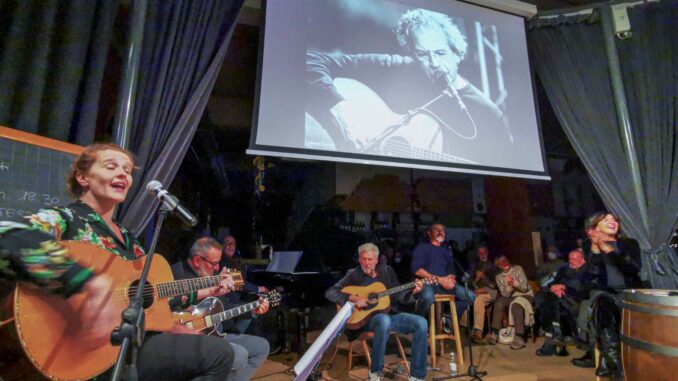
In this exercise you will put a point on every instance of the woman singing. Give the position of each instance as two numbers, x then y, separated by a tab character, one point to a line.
100	179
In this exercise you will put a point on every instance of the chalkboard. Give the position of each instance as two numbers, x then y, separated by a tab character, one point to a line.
32	172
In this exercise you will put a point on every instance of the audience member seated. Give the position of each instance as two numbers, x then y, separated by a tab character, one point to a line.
233	259
483	273
516	296
546	271
561	303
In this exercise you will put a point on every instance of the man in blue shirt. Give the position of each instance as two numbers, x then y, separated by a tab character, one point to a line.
433	260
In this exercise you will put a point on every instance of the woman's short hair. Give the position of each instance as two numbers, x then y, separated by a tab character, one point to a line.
85	161
595	218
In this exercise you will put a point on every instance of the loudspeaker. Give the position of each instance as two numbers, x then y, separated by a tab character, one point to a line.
478	190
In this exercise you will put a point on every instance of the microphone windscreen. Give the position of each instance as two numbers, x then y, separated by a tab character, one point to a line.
153	186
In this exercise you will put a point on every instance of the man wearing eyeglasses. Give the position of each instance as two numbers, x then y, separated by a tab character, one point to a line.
204	260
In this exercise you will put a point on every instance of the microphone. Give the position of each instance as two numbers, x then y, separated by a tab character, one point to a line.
170	202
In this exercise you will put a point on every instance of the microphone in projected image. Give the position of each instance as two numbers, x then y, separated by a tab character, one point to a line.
170	202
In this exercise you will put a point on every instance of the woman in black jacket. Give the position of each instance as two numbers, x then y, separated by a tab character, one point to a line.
615	263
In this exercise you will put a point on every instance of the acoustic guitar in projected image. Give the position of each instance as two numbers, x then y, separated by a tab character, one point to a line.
417	135
58	344
378	300
209	313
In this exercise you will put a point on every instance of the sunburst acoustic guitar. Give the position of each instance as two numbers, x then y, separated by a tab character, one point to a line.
48	328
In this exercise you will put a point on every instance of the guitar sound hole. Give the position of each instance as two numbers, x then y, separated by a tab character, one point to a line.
148	293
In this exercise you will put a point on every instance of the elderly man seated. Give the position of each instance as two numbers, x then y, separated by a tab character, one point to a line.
560	307
515	295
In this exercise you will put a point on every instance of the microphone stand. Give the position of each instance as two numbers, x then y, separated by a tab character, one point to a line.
472	371
131	330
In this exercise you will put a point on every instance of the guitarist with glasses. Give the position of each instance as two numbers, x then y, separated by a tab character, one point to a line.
250	351
382	324
100	179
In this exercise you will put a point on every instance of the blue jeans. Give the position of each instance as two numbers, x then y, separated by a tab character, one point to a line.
382	325
249	353
427	296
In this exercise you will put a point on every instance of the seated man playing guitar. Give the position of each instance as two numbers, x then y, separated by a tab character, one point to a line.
100	179
250	351
383	323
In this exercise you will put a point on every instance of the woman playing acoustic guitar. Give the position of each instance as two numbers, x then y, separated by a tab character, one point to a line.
100	179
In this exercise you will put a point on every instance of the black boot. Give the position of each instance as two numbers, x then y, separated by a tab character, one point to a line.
610	355
586	361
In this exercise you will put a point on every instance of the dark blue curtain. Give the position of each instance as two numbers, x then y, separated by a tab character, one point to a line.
569	56
52	59
184	45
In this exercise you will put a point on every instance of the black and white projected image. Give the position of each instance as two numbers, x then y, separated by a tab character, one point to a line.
407	82
414	104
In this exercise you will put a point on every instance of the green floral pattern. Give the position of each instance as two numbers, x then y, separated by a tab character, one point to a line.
45	262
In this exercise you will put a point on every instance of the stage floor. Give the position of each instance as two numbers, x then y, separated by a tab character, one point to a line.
501	362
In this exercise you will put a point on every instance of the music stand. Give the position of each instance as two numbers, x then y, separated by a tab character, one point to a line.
307	364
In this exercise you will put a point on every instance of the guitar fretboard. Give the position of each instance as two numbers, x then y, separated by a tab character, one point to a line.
233	312
405	149
184	286
396	290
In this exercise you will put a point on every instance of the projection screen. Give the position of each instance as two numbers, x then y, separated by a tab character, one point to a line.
435	84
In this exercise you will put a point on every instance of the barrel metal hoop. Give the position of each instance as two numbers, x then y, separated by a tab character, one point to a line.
639	297
649	310
649	347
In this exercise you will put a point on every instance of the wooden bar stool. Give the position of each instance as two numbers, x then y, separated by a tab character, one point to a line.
436	332
366	350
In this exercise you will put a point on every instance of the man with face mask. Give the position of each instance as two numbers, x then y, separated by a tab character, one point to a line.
547	270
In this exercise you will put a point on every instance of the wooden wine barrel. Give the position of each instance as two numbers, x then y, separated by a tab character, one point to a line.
649	339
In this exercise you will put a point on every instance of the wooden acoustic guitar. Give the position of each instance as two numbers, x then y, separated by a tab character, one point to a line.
378	300
55	340
209	313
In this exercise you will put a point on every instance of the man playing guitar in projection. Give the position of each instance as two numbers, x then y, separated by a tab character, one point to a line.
423	110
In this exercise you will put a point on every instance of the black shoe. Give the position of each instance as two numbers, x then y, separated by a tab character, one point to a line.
586	361
547	349
561	351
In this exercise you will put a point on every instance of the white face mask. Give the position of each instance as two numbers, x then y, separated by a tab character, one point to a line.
398	259
552	255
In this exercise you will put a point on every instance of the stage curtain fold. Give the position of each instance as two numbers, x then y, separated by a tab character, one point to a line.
53	55
571	62
184	45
